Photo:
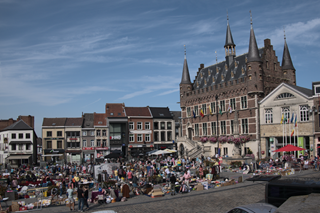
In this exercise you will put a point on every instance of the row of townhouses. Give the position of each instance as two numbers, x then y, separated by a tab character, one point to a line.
132	130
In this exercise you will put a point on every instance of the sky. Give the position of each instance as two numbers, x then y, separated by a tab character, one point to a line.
59	58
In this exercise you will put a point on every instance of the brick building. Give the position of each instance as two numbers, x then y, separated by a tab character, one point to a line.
316	111
223	98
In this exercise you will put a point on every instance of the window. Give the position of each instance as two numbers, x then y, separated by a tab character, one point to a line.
233	103
98	143
163	136
231	127
317	89
147	125
285	95
244	124
213	107
223	127
92	133
163	125
169	125
20	146
222	106
196	110
139	137
147	138
243	102
28	135
225	150
213	128
188	112
169	136
196	129
84	142
268	116
304	115
49	144
204	129
49	134
59	144
28	147
139	125
92	143
131	138
215	150
84	133
156	136
204	109
155	125
13	147
286	114
98	133
104	133
104	143
59	133
20	135
131	125
13	136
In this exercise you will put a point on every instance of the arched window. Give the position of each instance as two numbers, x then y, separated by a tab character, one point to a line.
269	116
285	95
304	115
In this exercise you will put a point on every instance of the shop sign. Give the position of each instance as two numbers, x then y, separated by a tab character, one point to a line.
73	139
115	137
87	148
102	148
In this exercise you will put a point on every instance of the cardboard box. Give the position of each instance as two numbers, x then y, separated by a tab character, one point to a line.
15	207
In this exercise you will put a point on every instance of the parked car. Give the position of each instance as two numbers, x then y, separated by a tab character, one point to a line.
254	208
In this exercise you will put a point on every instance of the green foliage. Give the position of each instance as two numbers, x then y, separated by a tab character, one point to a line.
236	163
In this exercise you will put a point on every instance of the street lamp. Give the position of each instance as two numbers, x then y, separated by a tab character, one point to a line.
217	112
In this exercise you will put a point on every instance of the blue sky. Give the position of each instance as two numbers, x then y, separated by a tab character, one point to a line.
62	58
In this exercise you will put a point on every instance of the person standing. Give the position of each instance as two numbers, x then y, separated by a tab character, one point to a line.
70	198
86	197
186	177
173	181
80	199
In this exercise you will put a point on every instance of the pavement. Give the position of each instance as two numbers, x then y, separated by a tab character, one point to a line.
217	200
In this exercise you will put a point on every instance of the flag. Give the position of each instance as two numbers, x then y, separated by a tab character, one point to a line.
291	121
194	114
285	118
229	109
210	110
281	119
292	132
295	121
201	113
220	111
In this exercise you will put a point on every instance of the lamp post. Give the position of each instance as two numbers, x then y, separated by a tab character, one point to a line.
217	112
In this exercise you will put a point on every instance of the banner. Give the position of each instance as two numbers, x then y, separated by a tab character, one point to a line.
301	145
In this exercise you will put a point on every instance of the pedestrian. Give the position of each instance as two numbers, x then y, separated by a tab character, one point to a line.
70	198
173	181
86	197
80	199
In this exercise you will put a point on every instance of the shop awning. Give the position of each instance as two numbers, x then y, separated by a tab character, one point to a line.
20	142
18	157
53	155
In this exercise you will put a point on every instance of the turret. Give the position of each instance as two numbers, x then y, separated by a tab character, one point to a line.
254	68
229	47
185	85
287	66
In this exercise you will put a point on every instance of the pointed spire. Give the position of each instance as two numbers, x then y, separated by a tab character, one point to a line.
286	58
229	39
253	54
185	71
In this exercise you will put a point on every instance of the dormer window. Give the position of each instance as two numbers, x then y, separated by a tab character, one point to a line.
189	88
100	122
317	89
246	60
217	70
205	82
232	74
250	77
197	83
213	80
201	74
225	67
242	71
284	72
209	72
249	67
222	77
235	64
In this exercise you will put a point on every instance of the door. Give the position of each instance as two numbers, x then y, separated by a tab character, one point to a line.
190	133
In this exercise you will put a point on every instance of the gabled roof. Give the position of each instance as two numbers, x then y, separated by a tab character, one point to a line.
100	119
160	112
88	119
74	122
137	111
54	121
115	110
185	79
19	125
307	93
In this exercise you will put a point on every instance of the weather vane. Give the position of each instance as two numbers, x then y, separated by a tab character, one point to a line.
250	17
216	57
227	17
185	52
284	33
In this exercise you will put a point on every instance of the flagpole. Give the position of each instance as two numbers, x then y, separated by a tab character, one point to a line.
294	136
282	134
289	129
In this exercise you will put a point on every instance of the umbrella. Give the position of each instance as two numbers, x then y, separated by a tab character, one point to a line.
168	150
289	148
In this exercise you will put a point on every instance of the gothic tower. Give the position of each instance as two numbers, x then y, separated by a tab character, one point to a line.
229	47
185	85
287	66
254	68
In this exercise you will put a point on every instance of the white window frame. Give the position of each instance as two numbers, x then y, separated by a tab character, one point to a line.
146	125
147	137
204	129
92	133
131	125
104	132
244	102
139	125
84	133
223	105
188	112
196	110
213	107
196	129
268	116
139	137
84	142
231	127
285	111
131	137
204	109
225	151
244	129
213	128
304	113
92	143
223	128
232	103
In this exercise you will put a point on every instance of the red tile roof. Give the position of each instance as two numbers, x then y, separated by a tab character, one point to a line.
137	111
100	119
74	122
115	110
